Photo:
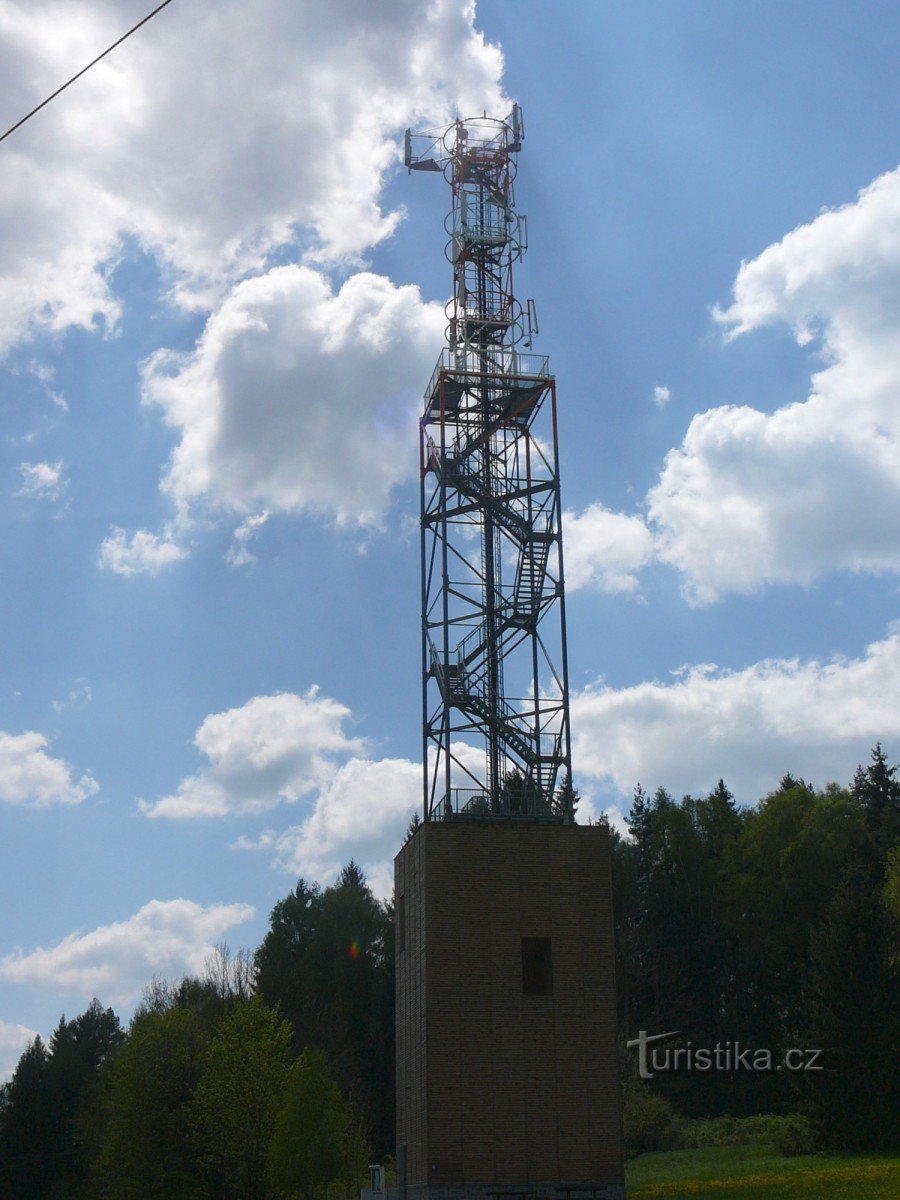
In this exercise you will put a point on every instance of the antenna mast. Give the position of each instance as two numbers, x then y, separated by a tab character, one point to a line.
496	739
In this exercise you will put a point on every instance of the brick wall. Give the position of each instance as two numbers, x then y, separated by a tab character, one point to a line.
497	1088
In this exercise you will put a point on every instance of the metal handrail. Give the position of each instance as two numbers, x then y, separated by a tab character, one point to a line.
503	361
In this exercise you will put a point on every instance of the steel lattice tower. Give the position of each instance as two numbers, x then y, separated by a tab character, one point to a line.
495	677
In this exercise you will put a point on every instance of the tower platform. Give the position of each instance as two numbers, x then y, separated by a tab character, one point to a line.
507	1074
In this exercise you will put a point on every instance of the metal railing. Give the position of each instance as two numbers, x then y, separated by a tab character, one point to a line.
472	804
488	363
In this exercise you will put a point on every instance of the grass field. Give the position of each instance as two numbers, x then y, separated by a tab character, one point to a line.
753	1173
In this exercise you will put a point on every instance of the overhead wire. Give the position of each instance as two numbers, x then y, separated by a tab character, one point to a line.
83	70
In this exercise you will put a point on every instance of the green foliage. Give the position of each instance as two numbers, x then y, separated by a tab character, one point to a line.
317	1141
43	1149
739	924
852	1002
565	800
794	1136
891	895
521	796
237	1098
145	1150
649	1120
27	1128
877	790
787	1135
327	962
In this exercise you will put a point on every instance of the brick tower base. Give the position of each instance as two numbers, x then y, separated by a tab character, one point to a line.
507	1076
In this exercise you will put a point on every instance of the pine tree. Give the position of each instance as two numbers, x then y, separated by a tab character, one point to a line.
640	820
27	1128
878	791
413	827
852	1004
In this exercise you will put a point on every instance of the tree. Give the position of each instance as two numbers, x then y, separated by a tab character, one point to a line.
565	799
145	1150
520	796
27	1130
237	1098
327	962
892	899
878	791
852	1005
640	819
78	1049
718	820
230	975
42	1144
317	1140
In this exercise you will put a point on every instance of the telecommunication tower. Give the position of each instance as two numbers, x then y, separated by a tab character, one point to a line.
495	678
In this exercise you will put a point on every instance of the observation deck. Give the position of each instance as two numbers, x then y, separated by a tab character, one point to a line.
515	382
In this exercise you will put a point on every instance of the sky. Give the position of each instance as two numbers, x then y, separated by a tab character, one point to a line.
222	299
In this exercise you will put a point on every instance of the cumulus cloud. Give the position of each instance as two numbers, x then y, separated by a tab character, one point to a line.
295	749
816	719
143	553
755	497
283	131
360	813
31	778
605	549
299	398
41	481
752	498
166	937
661	396
271	750
13	1040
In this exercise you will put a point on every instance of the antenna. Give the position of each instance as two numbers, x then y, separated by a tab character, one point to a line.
496	738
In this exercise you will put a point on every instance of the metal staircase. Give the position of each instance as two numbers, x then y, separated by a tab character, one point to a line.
495	676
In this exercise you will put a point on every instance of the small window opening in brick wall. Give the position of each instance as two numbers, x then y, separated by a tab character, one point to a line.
537	967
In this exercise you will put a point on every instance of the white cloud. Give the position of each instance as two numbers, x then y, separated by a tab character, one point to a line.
239	553
605	549
289	748
30	777
751	498
298	398
13	1040
45	375
143	553
42	481
661	396
750	726
79	697
165	937
283	130
361	813
271	750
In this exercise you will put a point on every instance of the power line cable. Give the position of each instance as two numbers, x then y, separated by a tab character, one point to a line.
134	29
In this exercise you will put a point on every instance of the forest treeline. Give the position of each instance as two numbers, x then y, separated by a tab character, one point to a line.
775	927
271	1075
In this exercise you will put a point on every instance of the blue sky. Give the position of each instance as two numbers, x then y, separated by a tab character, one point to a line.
222	299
